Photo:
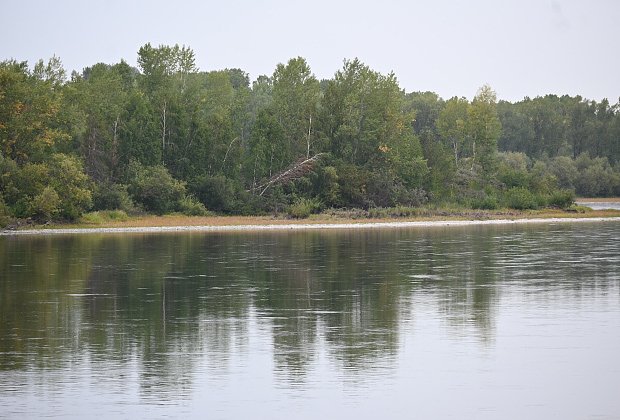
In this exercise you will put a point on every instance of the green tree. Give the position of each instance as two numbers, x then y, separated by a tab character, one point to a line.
103	97
296	94
452	126
484	129
166	72
30	105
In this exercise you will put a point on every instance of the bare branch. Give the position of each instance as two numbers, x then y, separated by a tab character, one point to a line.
297	170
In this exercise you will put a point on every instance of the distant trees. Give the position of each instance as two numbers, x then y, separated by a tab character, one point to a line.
168	137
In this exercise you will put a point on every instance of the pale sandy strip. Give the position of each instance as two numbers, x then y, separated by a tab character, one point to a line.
299	226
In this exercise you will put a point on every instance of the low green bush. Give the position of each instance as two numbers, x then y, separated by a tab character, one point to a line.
100	217
302	208
488	202
190	206
562	199
218	193
155	189
520	198
113	197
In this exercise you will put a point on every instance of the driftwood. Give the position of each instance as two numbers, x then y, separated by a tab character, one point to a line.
297	170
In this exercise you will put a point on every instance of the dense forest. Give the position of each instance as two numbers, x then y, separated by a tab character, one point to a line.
166	137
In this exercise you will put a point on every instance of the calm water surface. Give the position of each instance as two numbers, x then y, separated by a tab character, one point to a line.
483	322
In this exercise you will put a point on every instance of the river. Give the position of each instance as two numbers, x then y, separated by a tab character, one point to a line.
507	321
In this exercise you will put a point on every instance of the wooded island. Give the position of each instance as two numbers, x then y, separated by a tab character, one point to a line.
167	137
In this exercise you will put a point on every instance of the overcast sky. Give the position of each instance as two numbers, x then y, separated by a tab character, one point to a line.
521	47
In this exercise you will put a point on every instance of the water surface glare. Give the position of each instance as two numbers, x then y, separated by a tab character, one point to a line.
507	321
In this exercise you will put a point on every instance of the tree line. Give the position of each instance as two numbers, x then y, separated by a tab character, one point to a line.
167	137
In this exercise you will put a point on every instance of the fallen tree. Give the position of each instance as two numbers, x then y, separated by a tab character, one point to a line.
297	170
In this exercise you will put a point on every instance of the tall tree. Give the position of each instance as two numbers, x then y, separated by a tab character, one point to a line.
484	128
30	109
452	126
296	94
102	94
166	70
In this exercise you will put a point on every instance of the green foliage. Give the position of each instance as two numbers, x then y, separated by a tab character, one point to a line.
27	187
31	104
5	213
216	192
562	199
112	197
565	171
190	206
596	177
485	202
114	135
520	198
155	189
45	205
302	208
452	127
484	128
327	186
68	179
100	217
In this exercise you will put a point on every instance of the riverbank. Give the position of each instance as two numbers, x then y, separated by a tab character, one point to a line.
178	223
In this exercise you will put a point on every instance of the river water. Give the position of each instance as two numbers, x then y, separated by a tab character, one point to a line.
515	321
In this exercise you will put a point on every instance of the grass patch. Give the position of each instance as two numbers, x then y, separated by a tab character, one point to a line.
104	216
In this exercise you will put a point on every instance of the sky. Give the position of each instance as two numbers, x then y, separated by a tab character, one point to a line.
520	48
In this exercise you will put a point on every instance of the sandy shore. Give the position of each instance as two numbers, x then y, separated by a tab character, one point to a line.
308	226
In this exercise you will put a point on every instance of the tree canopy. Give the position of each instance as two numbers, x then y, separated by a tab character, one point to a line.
166	133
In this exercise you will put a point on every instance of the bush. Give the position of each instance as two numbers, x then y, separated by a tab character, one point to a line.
488	202
155	189
303	208
565	171
46	205
520	198
189	206
216	192
562	199
73	186
113	197
99	217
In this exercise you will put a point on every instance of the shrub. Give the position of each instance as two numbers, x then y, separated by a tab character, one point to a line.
565	171
216	192
520	198
155	189
46	205
72	185
99	217
110	196
189	206
488	202
303	208
562	199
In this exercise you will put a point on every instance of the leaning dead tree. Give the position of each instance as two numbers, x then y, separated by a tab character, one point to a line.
295	171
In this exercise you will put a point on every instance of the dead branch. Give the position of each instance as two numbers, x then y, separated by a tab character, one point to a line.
299	169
